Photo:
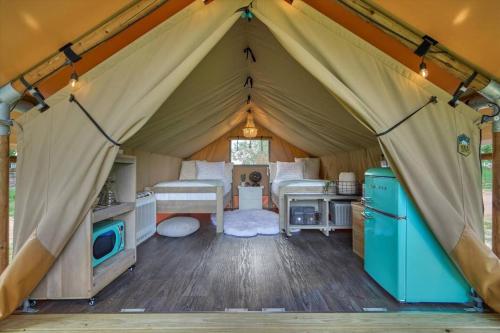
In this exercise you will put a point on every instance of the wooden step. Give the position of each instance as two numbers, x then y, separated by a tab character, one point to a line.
256	322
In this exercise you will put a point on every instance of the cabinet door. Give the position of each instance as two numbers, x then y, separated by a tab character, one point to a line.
385	252
358	229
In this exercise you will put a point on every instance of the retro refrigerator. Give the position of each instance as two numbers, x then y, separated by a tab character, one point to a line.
401	253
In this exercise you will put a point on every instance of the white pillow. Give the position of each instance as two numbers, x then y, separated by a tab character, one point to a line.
188	170
289	170
179	226
311	167
272	171
209	170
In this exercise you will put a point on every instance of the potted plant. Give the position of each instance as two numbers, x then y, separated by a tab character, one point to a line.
328	187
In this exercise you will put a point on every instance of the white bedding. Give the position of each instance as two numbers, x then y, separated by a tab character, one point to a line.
191	196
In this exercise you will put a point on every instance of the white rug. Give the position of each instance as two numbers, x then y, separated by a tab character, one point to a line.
249	223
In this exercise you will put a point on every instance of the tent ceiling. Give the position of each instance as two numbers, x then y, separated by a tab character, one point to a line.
286	99
468	28
32	30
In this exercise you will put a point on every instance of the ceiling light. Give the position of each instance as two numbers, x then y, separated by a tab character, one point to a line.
423	69
250	131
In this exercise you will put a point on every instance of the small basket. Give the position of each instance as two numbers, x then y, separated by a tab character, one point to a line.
347	187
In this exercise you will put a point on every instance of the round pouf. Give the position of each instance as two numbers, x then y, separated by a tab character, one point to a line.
179	226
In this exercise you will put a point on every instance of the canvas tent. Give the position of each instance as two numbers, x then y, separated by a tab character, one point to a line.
143	97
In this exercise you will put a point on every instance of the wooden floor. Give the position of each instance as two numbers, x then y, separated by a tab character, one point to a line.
207	272
255	322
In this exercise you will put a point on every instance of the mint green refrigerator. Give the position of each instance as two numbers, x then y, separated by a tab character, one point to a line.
401	253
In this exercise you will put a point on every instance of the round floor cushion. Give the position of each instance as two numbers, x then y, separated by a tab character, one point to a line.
179	226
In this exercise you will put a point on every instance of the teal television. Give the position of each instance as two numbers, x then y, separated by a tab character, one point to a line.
108	239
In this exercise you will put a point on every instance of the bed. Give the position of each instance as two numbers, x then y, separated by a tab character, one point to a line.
195	196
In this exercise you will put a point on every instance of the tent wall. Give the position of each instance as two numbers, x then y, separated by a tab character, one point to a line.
154	168
218	150
356	161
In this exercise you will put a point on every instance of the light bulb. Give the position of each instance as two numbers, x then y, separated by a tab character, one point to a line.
423	69
73	79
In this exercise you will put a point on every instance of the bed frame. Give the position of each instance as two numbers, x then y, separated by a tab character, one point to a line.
195	206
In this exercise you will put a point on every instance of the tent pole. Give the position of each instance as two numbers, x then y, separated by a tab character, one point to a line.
4	185
496	187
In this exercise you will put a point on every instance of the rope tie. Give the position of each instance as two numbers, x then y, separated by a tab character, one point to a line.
73	99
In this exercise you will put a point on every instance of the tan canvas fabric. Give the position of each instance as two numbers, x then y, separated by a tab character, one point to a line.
356	161
311	99
30	266
286	99
481	273
154	168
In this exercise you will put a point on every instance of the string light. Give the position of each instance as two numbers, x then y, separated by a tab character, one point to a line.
423	69
73	80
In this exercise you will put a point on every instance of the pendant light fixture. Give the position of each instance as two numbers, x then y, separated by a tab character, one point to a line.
423	69
73	80
421	51
71	59
250	131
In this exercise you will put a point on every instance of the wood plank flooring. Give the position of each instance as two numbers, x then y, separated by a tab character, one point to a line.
255	322
208	272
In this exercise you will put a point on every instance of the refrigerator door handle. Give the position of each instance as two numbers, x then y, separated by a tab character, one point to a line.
392	216
367	216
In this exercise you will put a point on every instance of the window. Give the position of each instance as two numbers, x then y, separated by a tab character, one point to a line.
249	151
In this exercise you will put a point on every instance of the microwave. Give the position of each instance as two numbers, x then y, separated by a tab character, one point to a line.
108	239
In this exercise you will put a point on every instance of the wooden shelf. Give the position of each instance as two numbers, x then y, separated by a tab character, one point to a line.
339	227
323	201
307	226
108	270
112	211
125	159
72	275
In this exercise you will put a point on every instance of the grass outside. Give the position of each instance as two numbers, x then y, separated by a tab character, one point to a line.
487	178
487	181
12	198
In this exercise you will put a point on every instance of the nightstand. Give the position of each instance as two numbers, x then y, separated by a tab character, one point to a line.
250	197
